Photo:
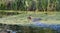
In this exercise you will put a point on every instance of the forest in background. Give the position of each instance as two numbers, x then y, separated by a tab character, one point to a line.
30	5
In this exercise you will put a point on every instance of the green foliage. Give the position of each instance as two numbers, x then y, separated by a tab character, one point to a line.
32	5
28	29
2	6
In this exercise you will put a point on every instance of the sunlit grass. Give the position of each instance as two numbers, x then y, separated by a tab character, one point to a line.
50	18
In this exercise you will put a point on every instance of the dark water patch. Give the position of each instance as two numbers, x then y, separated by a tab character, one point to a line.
41	28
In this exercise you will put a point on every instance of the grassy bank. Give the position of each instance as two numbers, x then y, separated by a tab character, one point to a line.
21	18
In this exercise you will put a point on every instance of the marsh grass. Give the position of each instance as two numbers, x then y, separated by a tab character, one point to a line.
49	18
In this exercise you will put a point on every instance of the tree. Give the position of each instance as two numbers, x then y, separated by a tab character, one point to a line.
44	4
